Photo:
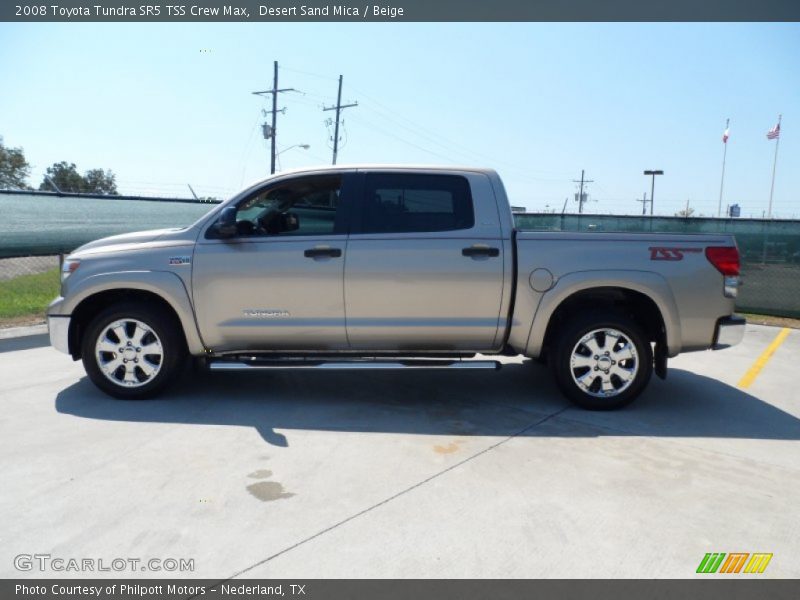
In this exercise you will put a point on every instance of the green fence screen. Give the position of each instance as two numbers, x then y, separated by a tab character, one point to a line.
49	224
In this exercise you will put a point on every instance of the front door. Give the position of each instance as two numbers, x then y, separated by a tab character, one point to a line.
278	283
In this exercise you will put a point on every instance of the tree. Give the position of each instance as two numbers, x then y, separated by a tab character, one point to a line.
63	177
66	178
98	181
14	169
685	213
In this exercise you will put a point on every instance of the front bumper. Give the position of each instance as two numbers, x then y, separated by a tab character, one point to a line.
58	327
729	332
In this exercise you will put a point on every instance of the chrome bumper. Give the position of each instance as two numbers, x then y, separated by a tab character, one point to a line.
58	328
730	331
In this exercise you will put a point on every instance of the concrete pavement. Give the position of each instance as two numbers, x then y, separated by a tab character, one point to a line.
404	474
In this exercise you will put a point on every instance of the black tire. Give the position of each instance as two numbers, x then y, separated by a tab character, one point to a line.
567	339
167	333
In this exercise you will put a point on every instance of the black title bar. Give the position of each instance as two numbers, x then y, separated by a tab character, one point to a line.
710	588
399	10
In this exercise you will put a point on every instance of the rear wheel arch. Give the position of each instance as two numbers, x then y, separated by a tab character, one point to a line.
636	305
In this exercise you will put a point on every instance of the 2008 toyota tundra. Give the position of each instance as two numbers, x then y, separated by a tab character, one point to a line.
392	268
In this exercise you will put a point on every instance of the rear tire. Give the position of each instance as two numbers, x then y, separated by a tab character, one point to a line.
133	351
601	360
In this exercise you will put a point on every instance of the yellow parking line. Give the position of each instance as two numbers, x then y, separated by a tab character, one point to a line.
762	360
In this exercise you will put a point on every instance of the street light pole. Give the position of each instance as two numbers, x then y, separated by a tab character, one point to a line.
303	146
653	187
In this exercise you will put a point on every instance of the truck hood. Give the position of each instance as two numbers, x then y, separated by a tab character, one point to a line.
136	239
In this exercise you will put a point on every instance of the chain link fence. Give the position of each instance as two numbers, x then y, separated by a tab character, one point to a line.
27	285
11	268
38	228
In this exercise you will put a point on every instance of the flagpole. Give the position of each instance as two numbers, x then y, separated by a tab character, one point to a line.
774	164
722	179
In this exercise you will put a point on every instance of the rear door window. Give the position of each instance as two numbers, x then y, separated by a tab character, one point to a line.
408	203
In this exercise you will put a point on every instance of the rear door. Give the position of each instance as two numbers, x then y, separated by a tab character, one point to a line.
278	284
424	269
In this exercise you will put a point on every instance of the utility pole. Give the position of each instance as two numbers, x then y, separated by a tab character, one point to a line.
271	133
338	108
644	203
580	195
653	187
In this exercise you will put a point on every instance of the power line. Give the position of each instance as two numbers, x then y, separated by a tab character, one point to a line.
449	145
328	77
387	114
403	140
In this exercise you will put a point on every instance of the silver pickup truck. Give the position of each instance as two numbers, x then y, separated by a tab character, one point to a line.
392	268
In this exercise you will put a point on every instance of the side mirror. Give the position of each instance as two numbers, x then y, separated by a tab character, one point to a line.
225	226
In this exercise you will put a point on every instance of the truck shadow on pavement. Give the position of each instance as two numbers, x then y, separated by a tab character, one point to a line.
520	400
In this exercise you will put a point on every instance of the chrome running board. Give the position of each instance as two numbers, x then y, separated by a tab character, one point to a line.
349	365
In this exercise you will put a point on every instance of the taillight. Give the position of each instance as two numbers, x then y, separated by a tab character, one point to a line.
725	259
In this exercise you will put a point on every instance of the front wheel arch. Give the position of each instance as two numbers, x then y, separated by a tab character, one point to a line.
91	306
107	344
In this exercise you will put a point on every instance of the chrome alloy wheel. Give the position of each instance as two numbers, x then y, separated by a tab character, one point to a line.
129	353
604	363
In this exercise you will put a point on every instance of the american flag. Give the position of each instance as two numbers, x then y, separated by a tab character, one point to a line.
775	132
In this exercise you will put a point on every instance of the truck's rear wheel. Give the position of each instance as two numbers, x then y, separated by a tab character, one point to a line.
131	351
602	361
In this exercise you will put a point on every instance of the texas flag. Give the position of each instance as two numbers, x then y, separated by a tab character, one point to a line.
726	133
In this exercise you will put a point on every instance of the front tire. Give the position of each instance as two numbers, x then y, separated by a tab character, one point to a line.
602	361
131	351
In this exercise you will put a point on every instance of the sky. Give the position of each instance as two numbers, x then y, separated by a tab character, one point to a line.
165	105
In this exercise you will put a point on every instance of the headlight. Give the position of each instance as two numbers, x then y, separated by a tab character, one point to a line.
69	267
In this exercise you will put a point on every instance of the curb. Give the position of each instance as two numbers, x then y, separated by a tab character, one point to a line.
18	332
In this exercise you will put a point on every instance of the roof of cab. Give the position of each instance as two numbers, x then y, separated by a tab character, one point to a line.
386	167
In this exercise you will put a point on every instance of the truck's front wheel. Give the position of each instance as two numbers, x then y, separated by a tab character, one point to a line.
602	361
131	351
